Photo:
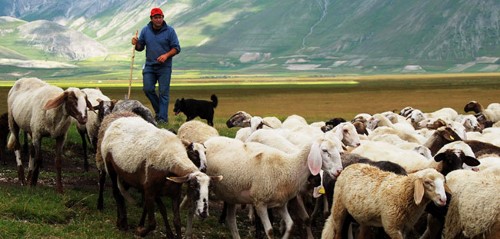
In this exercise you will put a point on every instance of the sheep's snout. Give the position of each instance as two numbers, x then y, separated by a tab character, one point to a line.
441	202
440	194
82	119
203	212
335	172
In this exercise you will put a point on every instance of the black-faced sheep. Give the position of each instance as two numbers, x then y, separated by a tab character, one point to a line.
382	199
43	110
158	156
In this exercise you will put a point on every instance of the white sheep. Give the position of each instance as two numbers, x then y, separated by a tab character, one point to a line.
157	155
445	113
410	160
383	199
91	128
378	120
264	176
196	131
43	110
347	133
273	138
474	209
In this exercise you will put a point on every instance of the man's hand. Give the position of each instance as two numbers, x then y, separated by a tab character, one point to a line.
162	58
134	40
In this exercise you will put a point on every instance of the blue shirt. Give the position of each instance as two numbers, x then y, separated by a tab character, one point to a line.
158	43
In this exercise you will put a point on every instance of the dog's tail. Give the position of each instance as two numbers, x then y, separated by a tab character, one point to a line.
214	99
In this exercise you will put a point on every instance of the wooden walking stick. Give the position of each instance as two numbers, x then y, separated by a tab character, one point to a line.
131	68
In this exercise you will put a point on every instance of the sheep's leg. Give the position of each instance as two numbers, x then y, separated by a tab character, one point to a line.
393	233
189	224
25	143
338	218
17	151
176	203
149	206
434	228
100	199
163	213
84	146
303	215
58	163
261	211
223	214
285	215
121	210
35	161
231	220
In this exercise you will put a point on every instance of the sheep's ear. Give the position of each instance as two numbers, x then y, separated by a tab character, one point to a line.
187	144
439	157
215	179
471	161
89	105
448	135
182	179
55	102
266	124
418	192
314	160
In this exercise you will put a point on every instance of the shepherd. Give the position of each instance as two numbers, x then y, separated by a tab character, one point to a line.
161	44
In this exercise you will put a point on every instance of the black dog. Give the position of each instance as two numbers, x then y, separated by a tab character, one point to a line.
192	108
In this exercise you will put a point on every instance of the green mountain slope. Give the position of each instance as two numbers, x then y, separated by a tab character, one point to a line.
270	36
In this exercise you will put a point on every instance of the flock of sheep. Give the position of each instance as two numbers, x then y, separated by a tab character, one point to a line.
389	170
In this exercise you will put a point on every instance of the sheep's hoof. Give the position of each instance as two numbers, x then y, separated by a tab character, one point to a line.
141	231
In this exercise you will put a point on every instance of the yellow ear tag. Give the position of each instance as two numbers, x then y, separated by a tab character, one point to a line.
321	190
451	137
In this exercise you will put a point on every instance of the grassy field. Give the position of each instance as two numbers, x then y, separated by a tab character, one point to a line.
39	212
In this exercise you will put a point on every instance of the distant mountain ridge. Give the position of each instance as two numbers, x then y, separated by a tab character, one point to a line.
324	36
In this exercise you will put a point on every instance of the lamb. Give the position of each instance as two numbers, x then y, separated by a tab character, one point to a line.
377	198
91	128
42	110
263	176
196	131
474	211
158	156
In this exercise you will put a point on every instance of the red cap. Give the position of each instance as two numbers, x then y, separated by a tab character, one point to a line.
156	11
